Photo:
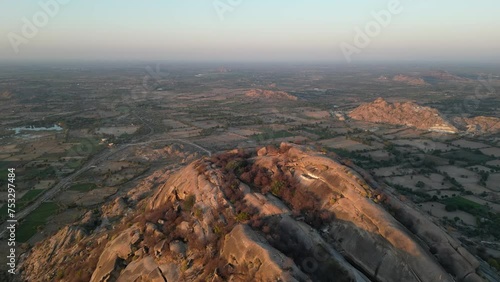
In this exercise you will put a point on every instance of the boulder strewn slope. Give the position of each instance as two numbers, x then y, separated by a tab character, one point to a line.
406	113
279	214
480	124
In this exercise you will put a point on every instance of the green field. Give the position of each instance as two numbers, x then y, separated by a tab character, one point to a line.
490	223
467	156
28	197
465	205
74	164
85	147
43	173
28	227
322	133
83	187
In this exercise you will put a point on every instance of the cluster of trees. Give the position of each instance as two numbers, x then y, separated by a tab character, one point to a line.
453	181
484	177
281	183
417	195
276	180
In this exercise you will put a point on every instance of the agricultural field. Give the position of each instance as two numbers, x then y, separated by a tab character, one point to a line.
106	139
36	221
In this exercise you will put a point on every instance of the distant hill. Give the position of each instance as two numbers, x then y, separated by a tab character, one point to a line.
425	78
406	113
269	95
441	75
410	80
5	95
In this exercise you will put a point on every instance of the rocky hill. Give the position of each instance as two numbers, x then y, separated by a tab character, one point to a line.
5	95
410	80
278	214
269	95
480	124
441	75
406	113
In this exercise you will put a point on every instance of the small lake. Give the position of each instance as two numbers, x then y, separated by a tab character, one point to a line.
33	128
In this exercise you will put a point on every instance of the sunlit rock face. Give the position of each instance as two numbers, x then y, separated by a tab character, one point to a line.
407	113
279	214
479	125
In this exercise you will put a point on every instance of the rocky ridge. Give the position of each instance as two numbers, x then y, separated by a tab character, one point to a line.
278	214
410	80
480	124
269	95
405	113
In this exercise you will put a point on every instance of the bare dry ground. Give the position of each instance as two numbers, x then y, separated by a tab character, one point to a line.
346	144
184	133
424	144
118	130
494	163
379	155
174	124
462	175
469	144
492	151
317	114
467	178
392	170
44	184
205	124
221	139
87	199
438	210
493	182
432	182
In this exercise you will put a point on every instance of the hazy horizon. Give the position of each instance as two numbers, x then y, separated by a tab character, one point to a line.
248	31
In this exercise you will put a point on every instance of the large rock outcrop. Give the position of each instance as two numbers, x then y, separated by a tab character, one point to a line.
406	113
480	124
284	214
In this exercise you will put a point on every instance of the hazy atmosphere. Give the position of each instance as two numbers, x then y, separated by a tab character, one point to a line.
249	140
241	30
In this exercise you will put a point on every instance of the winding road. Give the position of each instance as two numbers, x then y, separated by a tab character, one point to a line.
51	192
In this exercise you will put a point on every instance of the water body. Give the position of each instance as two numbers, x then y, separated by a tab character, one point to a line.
55	127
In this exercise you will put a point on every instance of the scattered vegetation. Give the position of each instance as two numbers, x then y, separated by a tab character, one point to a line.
83	187
271	135
471	157
189	202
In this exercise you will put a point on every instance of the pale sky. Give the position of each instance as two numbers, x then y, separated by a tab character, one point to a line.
249	30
